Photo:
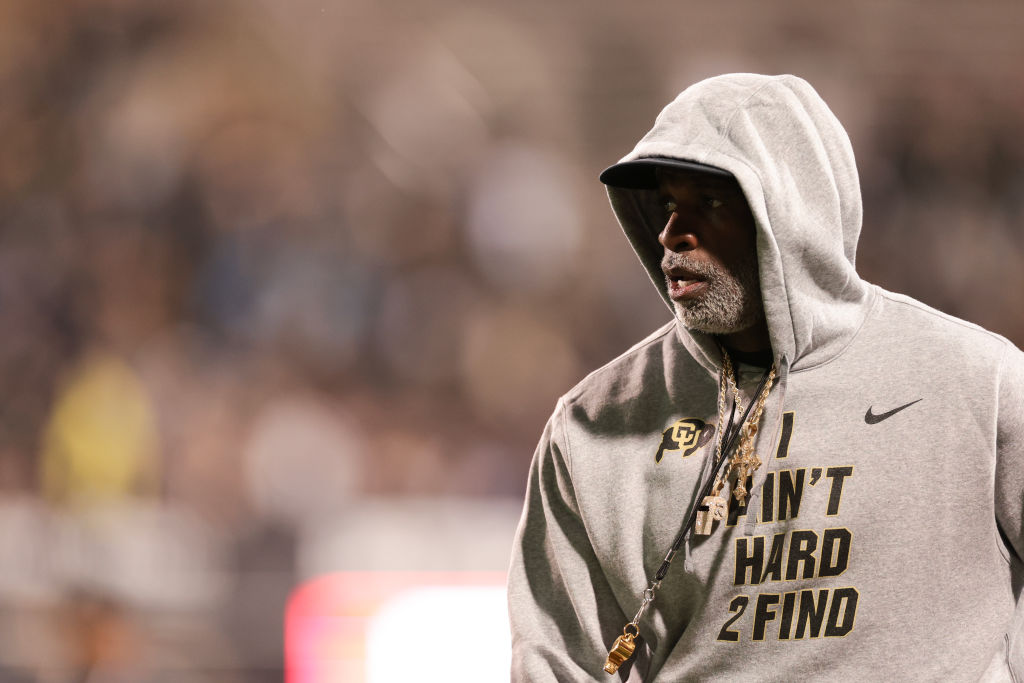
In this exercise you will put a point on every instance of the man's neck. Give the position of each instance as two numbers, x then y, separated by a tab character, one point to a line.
752	345
759	359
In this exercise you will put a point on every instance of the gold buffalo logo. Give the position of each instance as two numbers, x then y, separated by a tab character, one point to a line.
684	436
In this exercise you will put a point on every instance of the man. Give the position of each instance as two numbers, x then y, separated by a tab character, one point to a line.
840	468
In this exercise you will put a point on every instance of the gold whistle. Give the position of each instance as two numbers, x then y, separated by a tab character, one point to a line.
621	650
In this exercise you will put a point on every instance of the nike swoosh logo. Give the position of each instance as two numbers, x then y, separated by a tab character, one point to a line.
873	419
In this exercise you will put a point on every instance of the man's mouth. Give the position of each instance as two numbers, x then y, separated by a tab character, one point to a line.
684	285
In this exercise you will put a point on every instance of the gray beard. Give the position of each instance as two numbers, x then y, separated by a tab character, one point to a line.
732	301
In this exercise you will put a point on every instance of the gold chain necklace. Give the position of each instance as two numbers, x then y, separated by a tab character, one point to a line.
744	460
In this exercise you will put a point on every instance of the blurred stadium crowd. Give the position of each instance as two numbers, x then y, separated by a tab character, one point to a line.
270	267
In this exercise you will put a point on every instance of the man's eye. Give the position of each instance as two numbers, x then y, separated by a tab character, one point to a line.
711	202
670	206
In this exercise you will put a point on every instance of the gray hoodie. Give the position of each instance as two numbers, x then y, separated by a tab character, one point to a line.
883	534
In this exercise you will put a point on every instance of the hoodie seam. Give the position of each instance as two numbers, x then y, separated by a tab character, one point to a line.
736	111
926	309
872	308
562	409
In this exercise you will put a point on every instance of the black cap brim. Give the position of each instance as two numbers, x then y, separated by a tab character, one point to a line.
639	174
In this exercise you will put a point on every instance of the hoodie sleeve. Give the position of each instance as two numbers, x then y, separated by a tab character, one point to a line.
1009	491
557	590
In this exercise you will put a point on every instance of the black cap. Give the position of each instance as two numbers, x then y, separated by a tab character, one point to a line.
639	173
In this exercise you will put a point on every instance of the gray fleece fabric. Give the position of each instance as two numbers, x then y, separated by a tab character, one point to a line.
883	535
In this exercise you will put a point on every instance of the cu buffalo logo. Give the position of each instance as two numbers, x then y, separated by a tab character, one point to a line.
685	436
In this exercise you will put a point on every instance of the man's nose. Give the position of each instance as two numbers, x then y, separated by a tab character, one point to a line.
676	236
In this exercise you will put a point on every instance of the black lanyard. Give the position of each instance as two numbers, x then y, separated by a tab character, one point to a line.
729	436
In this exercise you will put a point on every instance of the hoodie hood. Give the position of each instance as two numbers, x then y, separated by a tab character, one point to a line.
795	165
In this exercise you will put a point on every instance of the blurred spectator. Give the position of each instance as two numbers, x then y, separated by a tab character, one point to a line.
101	440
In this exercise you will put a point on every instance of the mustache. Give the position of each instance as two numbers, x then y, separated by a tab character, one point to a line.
677	261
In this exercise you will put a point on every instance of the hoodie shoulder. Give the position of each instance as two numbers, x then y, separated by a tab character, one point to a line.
938	332
636	392
629	375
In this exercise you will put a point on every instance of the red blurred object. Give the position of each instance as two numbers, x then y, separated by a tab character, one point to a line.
327	618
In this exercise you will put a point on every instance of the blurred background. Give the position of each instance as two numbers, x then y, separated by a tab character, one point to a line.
289	288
